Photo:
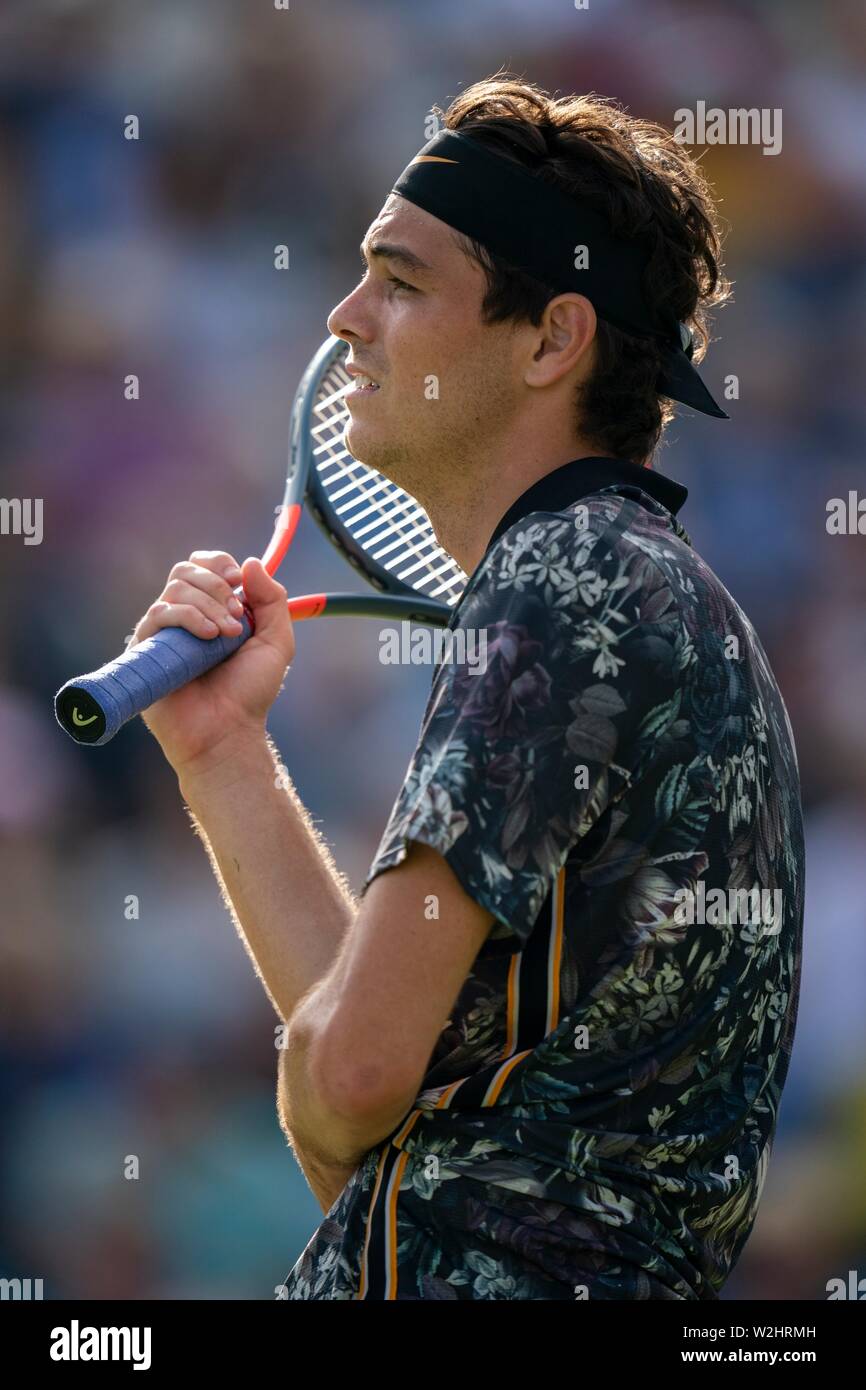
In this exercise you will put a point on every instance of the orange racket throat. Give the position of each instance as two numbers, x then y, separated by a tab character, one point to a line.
284	531
307	606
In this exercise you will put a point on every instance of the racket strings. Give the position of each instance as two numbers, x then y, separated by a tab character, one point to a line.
389	524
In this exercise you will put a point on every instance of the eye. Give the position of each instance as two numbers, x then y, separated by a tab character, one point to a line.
400	284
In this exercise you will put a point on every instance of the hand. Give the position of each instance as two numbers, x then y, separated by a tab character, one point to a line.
201	724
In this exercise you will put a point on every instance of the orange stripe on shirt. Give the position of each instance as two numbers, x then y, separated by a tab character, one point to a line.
499	1080
362	1286
513	1005
393	1193
403	1133
554	959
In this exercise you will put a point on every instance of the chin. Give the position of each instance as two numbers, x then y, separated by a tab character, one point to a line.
374	453
359	444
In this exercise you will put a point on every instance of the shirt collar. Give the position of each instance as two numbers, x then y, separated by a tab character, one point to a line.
581	477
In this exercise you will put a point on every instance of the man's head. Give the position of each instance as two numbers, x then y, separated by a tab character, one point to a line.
472	354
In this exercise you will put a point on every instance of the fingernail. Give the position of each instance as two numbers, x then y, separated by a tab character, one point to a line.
235	606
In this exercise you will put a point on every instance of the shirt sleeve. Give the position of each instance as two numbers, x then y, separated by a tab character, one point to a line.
538	716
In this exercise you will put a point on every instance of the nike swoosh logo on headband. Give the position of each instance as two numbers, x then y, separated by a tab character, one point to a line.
431	159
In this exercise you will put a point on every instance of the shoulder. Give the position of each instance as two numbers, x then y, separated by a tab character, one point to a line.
564	566
590	521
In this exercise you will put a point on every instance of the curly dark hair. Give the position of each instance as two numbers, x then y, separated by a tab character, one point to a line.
648	186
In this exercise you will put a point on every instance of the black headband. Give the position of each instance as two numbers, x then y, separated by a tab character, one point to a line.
539	229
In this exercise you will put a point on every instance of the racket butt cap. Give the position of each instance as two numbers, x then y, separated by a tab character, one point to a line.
79	714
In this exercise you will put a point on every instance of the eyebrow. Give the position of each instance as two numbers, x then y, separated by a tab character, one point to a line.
390	251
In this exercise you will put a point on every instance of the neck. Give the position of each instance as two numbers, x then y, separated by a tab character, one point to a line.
465	520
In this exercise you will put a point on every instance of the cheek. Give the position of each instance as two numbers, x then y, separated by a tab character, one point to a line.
435	355
416	367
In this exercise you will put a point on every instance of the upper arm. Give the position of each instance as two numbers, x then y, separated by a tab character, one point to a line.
402	967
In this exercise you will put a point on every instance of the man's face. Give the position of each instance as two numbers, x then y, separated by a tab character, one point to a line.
446	384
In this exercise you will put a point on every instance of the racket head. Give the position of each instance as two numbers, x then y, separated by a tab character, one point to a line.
392	544
380	528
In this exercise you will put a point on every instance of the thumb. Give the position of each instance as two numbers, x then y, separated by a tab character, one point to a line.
268	600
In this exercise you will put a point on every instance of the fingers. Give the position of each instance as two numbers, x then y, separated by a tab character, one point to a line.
260	588
266	597
216	560
198	597
185	615
269	603
223	611
211	570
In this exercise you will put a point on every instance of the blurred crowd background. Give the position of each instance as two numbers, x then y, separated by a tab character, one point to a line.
151	1037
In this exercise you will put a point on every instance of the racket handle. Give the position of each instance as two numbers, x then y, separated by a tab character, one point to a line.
92	708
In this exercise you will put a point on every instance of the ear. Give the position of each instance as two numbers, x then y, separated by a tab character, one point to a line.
562	339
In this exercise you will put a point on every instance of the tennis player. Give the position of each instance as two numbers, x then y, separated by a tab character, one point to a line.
542	1056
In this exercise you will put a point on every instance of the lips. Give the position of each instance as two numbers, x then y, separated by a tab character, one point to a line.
363	382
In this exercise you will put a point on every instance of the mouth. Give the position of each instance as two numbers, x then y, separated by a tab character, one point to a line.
362	384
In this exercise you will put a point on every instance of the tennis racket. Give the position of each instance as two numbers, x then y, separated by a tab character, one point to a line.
380	529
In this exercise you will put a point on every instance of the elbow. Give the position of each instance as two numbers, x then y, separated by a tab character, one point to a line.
363	1094
313	1089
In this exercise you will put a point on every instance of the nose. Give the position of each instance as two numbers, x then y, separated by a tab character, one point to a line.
351	319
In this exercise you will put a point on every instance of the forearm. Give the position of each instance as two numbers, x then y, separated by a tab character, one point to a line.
292	911
290	906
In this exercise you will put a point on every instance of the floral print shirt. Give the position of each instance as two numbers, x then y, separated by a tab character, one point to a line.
597	1114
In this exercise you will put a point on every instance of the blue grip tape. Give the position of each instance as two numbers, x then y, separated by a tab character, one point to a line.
92	708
